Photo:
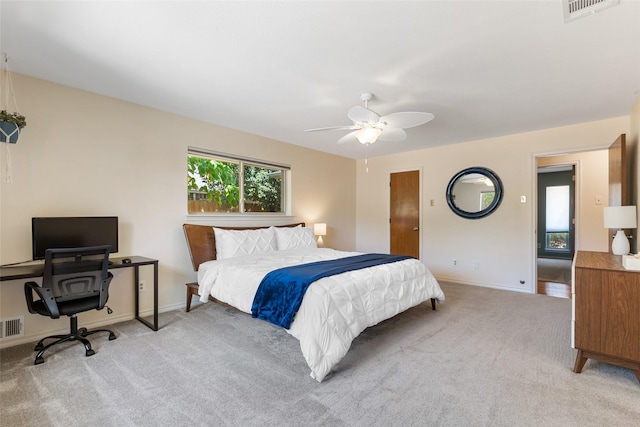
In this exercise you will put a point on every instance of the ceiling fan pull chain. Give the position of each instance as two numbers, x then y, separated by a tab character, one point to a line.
366	158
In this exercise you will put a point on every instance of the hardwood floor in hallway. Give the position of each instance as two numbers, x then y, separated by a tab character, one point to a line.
560	290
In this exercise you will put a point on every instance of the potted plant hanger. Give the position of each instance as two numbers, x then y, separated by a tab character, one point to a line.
10	126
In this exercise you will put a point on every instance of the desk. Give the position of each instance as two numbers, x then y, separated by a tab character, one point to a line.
31	271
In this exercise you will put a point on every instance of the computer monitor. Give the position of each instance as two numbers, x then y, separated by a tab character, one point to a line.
73	232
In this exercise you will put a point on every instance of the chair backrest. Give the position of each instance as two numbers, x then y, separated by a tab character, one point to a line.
75	273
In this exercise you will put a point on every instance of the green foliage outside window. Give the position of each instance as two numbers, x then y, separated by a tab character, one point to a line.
262	189
218	180
557	240
487	199
214	186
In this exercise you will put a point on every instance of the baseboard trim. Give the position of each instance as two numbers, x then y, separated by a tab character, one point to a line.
483	285
113	319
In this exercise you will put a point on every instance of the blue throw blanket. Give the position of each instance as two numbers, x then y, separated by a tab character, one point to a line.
280	293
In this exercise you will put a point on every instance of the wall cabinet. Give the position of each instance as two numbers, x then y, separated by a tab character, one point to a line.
606	311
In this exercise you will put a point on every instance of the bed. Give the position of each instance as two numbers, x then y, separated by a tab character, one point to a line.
232	263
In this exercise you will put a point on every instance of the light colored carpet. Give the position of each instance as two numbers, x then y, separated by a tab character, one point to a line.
554	270
484	358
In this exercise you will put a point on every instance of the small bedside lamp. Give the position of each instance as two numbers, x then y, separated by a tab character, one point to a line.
320	229
620	217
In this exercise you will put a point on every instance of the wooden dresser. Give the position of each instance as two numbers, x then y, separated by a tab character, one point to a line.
606	311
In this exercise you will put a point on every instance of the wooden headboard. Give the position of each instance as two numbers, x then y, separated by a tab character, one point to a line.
201	241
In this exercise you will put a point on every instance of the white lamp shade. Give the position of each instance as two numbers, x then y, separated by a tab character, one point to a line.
320	229
368	135
620	217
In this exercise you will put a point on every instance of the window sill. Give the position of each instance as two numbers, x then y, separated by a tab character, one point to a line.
256	219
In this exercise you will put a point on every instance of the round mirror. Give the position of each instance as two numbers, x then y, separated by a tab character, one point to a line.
474	192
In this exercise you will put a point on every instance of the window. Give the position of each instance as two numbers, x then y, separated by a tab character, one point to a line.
486	198
221	183
557	218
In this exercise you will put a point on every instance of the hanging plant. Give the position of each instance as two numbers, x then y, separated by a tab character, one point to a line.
10	125
15	118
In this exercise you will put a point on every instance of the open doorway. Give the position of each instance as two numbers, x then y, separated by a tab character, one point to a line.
555	229
599	181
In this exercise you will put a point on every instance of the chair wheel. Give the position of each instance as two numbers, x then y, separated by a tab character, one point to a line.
112	336
90	353
39	361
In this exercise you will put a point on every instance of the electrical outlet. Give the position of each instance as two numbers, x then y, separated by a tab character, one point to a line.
142	286
455	262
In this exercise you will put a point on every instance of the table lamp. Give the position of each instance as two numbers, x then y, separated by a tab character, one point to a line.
320	229
620	217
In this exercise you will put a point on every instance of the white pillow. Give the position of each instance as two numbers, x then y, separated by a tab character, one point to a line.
295	237
233	243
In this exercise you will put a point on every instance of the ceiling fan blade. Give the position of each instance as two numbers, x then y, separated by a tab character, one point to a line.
346	127
361	115
350	137
407	119
392	135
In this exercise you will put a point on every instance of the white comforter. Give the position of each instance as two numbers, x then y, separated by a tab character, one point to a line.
335	309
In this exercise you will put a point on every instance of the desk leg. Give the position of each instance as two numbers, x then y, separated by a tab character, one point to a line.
136	283
154	325
155	296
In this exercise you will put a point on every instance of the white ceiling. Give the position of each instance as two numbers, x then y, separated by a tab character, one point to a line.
484	68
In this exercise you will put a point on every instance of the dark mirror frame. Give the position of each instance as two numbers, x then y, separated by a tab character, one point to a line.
497	199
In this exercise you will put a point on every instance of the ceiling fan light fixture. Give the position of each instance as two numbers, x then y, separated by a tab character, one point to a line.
368	126
368	135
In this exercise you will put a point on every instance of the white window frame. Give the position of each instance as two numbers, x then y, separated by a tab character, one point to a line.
226	157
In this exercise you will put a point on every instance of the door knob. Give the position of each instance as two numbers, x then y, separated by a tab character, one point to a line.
416	228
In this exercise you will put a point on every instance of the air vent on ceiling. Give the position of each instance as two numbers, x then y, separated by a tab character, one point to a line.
574	9
13	327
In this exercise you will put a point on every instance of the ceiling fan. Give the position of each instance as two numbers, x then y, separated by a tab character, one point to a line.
369	127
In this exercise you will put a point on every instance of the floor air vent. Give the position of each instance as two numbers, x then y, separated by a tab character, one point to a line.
13	327
574	9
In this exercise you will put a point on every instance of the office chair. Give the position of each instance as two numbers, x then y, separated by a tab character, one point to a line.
74	280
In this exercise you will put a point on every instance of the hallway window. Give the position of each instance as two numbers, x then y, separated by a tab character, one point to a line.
557	218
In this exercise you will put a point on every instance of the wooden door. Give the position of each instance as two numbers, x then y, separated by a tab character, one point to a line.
405	213
619	190
618	173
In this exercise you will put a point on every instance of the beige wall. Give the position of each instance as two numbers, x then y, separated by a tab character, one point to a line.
84	154
502	244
